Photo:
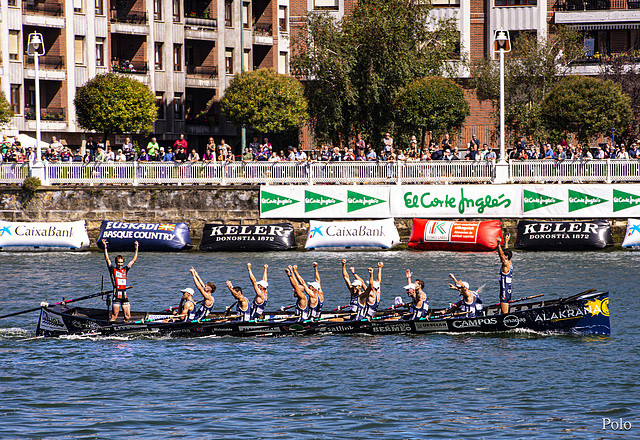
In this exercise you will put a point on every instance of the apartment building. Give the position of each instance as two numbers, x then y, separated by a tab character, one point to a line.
186	51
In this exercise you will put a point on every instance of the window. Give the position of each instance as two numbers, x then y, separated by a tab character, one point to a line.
283	62
177	106
245	15
160	104
14	38
176	10
157	10
100	52
12	3
445	3
247	64
77	5
189	59
99	7
228	14
158	56
177	57
79	50
516	2
228	61
326	4
282	18
15	98
517	37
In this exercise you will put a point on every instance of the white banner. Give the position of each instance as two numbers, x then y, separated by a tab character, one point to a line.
358	234
18	236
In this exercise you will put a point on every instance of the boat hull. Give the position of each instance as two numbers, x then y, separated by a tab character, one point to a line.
583	314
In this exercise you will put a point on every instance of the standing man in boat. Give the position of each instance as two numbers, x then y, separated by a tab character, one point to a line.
356	288
302	312
260	287
207	292
118	274
313	290
470	305
506	273
419	305
243	309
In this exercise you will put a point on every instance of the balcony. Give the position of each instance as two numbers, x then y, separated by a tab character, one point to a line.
263	34
47	62
601	13
200	28
118	16
595	5
126	66
203	71
46	114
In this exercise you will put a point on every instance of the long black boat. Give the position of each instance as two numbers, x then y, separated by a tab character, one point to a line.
582	313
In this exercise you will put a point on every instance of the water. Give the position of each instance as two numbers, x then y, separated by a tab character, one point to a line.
513	386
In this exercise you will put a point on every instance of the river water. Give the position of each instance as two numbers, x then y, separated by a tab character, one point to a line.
506	386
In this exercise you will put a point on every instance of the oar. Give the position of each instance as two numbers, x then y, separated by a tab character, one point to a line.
577	295
340	308
523	299
56	304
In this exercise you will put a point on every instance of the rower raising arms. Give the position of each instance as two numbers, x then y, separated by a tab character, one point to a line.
118	274
207	292
242	303
419	305
260	287
369	299
355	288
470	304
302	304
187	308
506	273
313	290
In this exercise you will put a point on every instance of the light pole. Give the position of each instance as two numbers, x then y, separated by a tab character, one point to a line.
243	132
36	49
502	44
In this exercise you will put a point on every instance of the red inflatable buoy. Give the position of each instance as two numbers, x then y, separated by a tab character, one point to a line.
448	235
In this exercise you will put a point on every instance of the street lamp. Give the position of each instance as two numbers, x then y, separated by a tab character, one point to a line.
36	49
502	44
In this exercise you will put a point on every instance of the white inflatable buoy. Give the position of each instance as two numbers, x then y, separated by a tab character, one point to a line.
632	236
354	234
43	236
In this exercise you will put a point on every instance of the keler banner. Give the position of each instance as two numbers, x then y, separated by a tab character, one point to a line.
248	238
563	235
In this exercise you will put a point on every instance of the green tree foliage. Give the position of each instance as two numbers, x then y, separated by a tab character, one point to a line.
265	100
112	103
623	70
6	113
531	69
431	104
586	107
355	67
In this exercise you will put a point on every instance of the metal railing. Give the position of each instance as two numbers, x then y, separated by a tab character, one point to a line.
46	8
205	71
312	173
46	62
595	5
121	16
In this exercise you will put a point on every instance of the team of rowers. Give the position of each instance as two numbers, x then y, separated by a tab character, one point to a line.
364	297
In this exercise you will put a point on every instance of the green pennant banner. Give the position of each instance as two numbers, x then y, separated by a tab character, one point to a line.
579	200
533	200
313	201
270	201
356	201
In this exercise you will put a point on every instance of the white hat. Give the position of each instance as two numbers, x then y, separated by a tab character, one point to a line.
263	283
464	284
376	285
315	285
409	286
188	290
356	283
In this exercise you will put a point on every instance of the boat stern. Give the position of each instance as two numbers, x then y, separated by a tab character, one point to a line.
50	323
595	319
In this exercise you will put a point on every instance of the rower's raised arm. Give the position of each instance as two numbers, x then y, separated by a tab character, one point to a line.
106	253
316	274
345	274
380	266
408	274
298	276
135	255
264	275
252	278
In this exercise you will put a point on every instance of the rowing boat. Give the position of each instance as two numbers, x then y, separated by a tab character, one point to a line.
582	313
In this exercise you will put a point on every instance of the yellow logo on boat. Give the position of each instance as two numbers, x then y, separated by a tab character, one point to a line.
598	306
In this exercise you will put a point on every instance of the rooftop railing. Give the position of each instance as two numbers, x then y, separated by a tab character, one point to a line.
313	173
595	5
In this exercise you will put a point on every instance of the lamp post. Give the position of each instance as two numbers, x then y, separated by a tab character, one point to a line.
36	49
243	132
502	44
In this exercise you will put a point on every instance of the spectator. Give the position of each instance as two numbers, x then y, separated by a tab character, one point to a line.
446	142
128	150
91	145
180	143
193	156
599	153
633	151
120	157
455	153
180	155
437	154
473	151
371	155
267	145
413	143
473	143
247	156
30	156
152	149
77	157
169	155
490	156
224	151
561	153
313	157
264	154
99	157
291	156
325	154
274	157
336	156
109	155
387	143
65	155
5	146
55	144
585	154
210	154
88	157
144	156
301	156
400	156
622	153
254	146
522	145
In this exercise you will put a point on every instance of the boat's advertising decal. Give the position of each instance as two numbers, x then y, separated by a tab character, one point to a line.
51	322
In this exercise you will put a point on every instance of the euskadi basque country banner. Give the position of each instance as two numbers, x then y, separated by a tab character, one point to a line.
451	201
37	236
151	237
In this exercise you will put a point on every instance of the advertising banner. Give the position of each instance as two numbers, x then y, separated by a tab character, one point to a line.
49	236
563	236
324	201
248	238
151	237
632	236
455	235
358	234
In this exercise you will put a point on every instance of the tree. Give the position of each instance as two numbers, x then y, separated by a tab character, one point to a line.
111	103
531	69
431	104
586	107
265	100
355	67
6	112
622	69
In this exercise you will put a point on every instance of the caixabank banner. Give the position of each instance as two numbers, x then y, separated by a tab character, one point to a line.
575	201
